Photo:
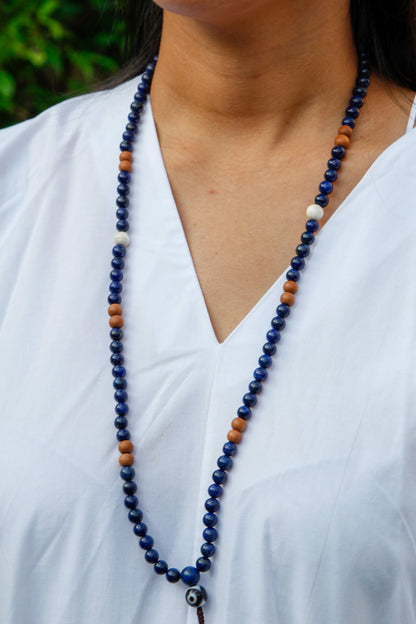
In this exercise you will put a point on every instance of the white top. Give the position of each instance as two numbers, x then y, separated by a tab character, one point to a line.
318	520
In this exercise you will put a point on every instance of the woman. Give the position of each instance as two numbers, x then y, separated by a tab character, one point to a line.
318	517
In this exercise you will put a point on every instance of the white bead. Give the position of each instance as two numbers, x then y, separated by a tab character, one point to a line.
314	212
122	238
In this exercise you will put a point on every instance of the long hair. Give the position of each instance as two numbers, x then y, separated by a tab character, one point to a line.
384	29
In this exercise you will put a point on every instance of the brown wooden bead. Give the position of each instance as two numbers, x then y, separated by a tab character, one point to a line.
126	156
116	321
290	287
234	436
342	140
125	165
126	446
347	130
288	298
126	459
239	424
115	308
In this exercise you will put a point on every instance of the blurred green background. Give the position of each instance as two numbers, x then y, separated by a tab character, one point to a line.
51	49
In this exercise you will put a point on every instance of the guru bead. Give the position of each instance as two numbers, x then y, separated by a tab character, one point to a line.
196	596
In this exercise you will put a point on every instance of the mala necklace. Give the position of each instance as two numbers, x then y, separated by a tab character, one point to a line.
196	595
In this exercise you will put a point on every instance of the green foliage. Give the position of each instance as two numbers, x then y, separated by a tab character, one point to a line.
50	49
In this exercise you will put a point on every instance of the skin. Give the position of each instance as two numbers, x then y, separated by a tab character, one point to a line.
247	98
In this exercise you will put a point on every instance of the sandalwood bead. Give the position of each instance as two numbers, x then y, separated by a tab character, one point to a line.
126	446
347	130
288	298
126	459
116	321
125	165
239	424
234	436
342	140
115	309
126	156
290	287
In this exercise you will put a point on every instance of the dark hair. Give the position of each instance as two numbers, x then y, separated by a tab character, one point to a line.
384	29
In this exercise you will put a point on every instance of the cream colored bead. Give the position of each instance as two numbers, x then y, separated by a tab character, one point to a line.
122	238
314	212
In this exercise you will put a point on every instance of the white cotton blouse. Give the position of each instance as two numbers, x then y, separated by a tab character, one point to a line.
318	519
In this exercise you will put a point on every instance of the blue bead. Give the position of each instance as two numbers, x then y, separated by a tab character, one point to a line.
356	101
210	534
352	111
122	201
230	448
203	564
136	106
338	151
307	238
244	412
269	348
134	116
365	70
116	333
114	298
122	213
212	505
273	336
123	189
117	263
127	473
224	462
122	225
135	516
265	361
249	399
303	251
260	373
142	88
330	175
210	519
128	136
278	322
146	542
360	91
298	264
334	164
120	383
161	567
322	199
123	434
151	556
147	77
326	187
116	346
283	309
140	529
219	476
129	488
255	386
116	287
121	422
122	409
312	225
215	490
348	121
131	502
173	575
118	371
119	251
132	127
190	575
121	396
208	550
126	146
363	82
124	177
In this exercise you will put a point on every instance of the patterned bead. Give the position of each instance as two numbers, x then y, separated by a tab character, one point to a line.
127	473
210	535
130	488
229	449
249	399
219	476
123	434
255	386
210	519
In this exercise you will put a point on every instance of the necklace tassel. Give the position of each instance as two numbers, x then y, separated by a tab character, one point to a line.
200	614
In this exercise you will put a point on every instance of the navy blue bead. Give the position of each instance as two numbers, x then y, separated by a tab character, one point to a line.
255	386
338	151
278	323
131	502
210	519
273	336
352	111
116	287
208	550
348	121
260	374
212	505
356	101
120	383
122	225
283	309
326	187
123	434
249	399
269	348
147	77
119	251
124	177
117	263
134	116
219	476
330	175
127	473
114	298
132	127
116	346
122	201
151	556
146	542
190	575
365	70
230	449
126	146
121	422
322	199
142	88
292	275
136	107
140	529
215	490
161	567
312	225
298	264
173	575
334	163
129	488
224	462
122	213
116	333
303	251
203	564
210	534
122	409
121	396
265	361
244	412
360	91
119	371
135	516
363	82
128	136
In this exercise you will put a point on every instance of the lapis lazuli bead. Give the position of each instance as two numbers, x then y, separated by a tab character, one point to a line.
298	264
173	575
114	298
215	490
352	111
124	177
219	476
269	348
140	529
212	505
363	82
210	519
293	275
360	91
128	136
330	175
136	107
260	373
265	361
151	555
129	488
326	187
210	534
132	127
255	386
273	336
116	346
122	225
120	422
283	309
244	412
116	287
230	449
146	542
126	146
117	263
120	383
322	199
357	101
224	463
122	409
312	225
190	575
278	323
122	201
303	250
161	567
127	473
131	502
118	371
249	399
135	515
338	151
116	333
121	396
334	163
307	238
348	121
119	250
208	550
203	564
122	213
123	434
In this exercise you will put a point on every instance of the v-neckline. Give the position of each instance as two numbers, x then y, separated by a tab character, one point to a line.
346	205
